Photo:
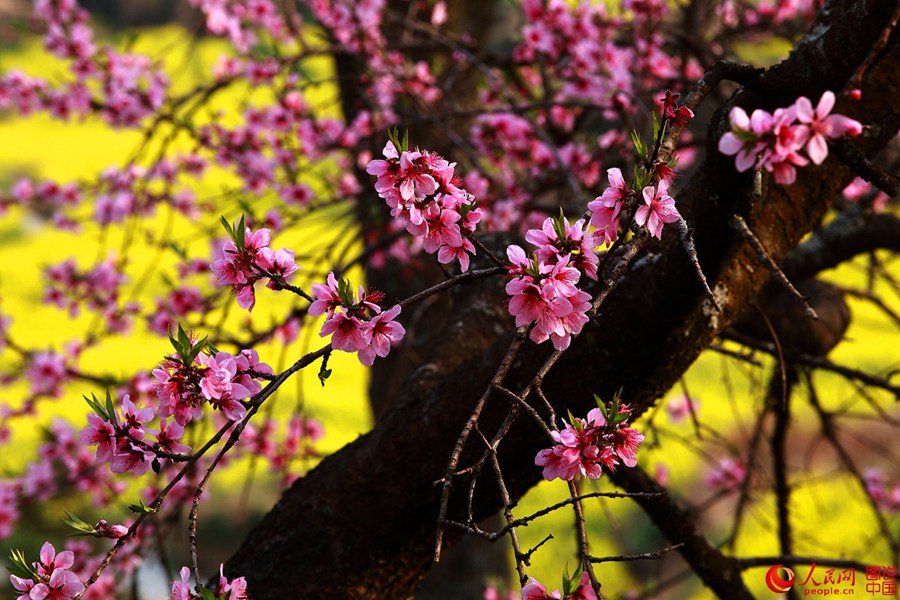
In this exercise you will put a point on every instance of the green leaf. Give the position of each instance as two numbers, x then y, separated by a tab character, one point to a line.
111	410
241	233
206	593
566	582
141	508
96	407
20	567
228	228
345	291
639	148
574	422
323	375
559	227
78	525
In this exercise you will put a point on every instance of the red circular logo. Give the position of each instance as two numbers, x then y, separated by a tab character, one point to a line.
776	583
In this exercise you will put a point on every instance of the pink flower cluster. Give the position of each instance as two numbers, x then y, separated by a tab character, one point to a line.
860	189
360	325
543	287
727	476
173	308
658	207
239	20
120	438
299	438
222	380
679	407
588	446
774	141
236	589
767	14
422	192
54	579
123	88
241	268
97	289
535	590
47	373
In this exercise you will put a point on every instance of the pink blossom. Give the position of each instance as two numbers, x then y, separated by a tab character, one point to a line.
47	372
178	389
181	590
51	561
130	458
99	433
822	125
350	334
625	441
62	585
606	207
535	590
22	586
680	406
219	386
327	297
385	332
242	267
168	436
727	475
448	253
658	208
746	136
236	589
557	239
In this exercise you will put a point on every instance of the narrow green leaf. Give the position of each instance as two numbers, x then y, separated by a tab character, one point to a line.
141	508
78	525
111	410
227	226
20	567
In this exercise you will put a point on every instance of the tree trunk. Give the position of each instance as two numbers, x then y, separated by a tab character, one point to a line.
362	524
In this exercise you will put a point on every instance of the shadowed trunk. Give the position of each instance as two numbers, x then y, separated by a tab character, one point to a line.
362	524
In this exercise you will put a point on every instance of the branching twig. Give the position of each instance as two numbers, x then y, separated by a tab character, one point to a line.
741	226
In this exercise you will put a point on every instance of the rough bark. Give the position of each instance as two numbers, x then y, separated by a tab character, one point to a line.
362	524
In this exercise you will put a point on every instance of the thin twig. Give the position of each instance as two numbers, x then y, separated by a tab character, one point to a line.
687	242
584	551
741	226
629	557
